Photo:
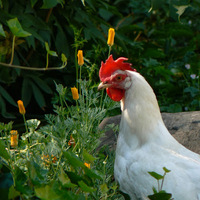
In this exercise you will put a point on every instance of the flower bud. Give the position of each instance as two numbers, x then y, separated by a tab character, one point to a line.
21	107
75	95
80	58
111	36
13	138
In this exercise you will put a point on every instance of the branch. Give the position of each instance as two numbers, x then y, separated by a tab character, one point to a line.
33	68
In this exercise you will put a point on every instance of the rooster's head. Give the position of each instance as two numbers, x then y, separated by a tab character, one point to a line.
114	77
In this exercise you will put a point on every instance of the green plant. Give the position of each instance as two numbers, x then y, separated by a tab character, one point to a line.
46	165
159	193
158	37
58	160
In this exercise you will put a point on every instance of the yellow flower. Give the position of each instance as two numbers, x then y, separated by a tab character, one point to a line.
87	165
21	107
75	93
80	57
13	138
111	36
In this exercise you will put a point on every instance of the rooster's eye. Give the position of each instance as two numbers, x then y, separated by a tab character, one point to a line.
118	78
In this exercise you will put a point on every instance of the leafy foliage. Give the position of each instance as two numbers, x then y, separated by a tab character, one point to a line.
48	165
160	193
160	38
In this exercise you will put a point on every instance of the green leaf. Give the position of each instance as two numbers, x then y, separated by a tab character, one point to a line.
36	173
180	9
33	2
20	179
104	188
63	58
3	152
88	157
53	191
161	195
156	4
53	53
61	42
16	28
192	90
73	160
83	2
42	84
47	47
4	193
26	91
13	193
92	173
39	97
174	108
156	175
6	96
74	177
85	187
49	4
64	179
166	170
46	192
3	109
2	33
60	89
154	190
33	123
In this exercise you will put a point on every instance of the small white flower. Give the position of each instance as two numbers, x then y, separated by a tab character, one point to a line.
193	76
187	66
186	108
190	22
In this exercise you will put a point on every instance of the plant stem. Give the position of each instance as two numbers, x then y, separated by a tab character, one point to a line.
61	103
47	63
32	68
58	165
13	50
77	107
163	180
27	140
110	47
109	51
80	79
25	124
67	107
158	186
76	65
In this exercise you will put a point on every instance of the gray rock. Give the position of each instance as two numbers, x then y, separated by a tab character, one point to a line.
184	126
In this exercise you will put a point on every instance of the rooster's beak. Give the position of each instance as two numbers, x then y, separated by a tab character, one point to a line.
103	85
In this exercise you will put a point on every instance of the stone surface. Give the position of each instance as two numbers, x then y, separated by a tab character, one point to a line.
184	126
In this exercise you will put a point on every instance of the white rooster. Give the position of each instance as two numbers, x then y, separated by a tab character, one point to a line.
144	143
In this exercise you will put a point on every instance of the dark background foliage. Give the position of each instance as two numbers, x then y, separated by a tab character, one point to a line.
160	38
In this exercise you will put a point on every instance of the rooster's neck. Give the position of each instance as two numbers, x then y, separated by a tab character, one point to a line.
141	118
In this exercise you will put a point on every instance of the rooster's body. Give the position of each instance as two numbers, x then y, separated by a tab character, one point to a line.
144	143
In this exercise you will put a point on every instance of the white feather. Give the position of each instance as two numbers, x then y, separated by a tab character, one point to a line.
144	144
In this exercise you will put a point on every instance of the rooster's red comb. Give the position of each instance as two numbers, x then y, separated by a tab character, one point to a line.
111	66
